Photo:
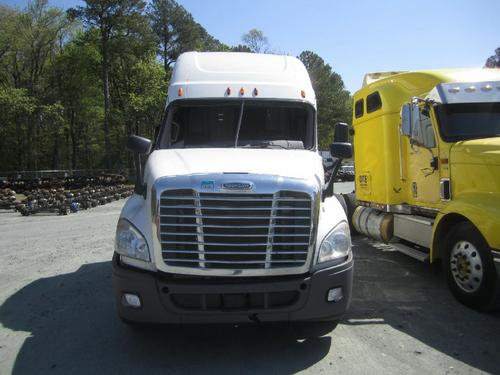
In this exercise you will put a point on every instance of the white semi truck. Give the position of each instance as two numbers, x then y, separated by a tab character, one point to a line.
232	220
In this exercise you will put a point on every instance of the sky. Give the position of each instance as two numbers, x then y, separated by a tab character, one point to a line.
356	36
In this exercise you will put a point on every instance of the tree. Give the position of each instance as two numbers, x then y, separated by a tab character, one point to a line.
114	19
164	16
240	48
29	41
177	32
7	22
255	40
334	102
493	61
37	40
76	79
71	92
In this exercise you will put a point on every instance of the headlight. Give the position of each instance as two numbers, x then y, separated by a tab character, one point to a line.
336	244
130	242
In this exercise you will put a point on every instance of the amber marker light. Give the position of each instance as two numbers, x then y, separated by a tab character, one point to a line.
302	94
242	91
179	91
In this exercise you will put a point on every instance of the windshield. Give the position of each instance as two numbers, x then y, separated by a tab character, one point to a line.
462	121
257	124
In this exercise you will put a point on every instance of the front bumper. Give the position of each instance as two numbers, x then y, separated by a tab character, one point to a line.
176	299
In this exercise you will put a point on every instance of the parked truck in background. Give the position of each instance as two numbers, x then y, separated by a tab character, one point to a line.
232	220
427	162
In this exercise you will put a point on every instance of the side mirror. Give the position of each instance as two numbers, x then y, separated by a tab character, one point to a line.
139	145
341	150
341	132
406	117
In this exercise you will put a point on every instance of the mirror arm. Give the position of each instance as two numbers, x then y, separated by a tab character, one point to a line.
139	187
328	189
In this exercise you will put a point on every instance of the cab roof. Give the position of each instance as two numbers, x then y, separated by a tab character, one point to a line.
395	88
240	75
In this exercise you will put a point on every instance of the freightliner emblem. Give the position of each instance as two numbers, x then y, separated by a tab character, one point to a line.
237	186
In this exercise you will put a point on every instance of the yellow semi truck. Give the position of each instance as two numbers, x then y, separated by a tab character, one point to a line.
427	159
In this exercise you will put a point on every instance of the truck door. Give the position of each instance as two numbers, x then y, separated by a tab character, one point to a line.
423	173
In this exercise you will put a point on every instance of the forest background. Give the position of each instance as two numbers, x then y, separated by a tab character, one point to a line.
75	83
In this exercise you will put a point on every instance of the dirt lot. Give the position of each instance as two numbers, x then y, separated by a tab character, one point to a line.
57	316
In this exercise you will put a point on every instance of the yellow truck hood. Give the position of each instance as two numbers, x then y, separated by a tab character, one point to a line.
477	151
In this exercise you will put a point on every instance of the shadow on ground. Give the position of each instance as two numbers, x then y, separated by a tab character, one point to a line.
74	329
412	297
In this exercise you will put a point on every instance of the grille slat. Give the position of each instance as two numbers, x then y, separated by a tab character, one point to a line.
239	208
236	234
259	231
234	244
235	252
231	262
240	217
238	199
234	226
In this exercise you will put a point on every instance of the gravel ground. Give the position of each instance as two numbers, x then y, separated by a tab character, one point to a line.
57	316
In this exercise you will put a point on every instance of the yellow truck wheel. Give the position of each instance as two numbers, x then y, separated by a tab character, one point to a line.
468	267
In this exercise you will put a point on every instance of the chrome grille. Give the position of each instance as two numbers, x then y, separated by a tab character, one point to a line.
234	231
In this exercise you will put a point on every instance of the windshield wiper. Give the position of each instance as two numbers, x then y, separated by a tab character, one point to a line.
284	144
239	124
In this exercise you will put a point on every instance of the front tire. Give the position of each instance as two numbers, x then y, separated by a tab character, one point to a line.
469	268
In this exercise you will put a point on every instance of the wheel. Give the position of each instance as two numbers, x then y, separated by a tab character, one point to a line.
341	199
351	204
469	268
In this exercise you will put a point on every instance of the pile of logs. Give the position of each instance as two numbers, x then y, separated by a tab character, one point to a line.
62	195
7	199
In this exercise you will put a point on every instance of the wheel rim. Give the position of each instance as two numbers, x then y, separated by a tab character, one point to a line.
466	266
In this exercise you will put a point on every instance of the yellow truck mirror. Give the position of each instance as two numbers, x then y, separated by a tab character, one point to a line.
341	132
406	120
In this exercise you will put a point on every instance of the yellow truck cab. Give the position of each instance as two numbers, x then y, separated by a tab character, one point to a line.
427	161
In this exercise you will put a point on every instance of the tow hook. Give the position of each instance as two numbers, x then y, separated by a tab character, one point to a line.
254	318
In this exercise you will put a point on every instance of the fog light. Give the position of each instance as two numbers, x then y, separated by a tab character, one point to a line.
334	295
131	300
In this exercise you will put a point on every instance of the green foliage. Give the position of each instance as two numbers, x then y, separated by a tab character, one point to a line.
493	61
74	85
240	48
177	32
333	100
255	41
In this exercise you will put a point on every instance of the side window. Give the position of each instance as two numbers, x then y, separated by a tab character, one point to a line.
359	108
373	102
422	131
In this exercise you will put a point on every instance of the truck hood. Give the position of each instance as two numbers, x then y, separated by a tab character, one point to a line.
301	164
478	151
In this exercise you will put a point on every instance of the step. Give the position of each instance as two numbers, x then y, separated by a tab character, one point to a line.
412	252
415	229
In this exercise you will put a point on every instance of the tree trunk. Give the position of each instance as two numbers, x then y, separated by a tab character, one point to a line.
74	144
55	152
105	80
